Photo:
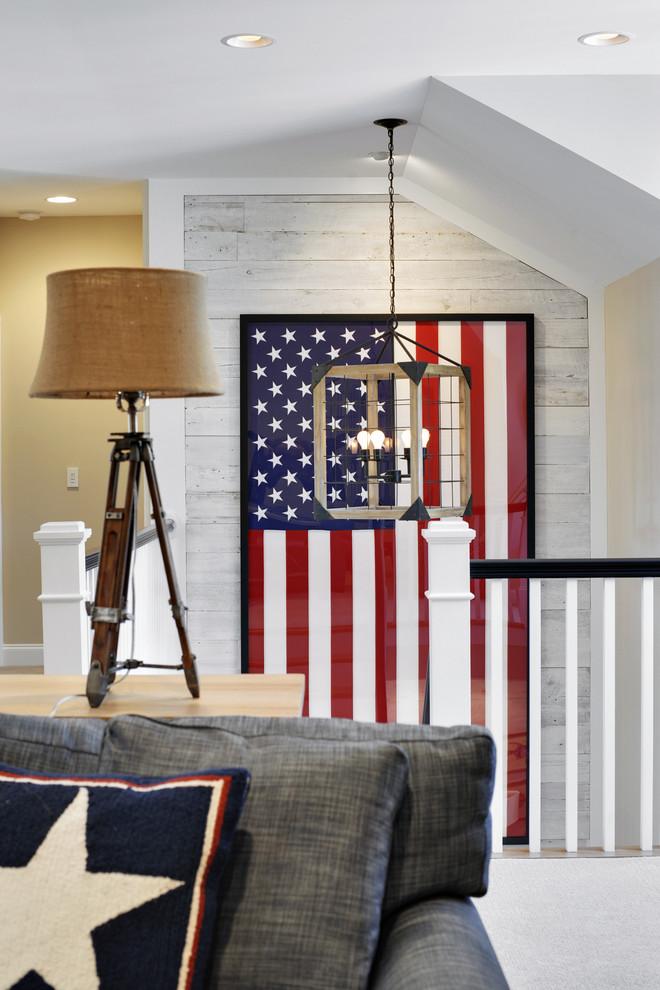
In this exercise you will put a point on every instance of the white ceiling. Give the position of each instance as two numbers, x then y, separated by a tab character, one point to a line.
124	90
611	120
528	195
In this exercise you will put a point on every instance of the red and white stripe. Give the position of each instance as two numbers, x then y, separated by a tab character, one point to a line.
347	608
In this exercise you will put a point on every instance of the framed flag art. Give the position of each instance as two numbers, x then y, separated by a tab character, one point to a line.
342	600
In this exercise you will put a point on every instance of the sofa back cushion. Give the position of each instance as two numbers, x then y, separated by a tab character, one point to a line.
302	899
441	840
51	745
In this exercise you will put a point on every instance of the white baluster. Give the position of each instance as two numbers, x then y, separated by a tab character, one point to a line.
609	713
449	621
63	594
571	735
646	720
495	638
534	797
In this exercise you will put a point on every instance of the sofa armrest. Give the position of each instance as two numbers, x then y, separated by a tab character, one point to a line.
439	944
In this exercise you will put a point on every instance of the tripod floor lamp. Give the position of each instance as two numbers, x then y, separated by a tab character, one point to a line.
127	334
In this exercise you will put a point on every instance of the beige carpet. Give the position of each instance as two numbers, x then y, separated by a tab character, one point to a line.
564	924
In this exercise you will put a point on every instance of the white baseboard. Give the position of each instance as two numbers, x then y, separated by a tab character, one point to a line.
22	655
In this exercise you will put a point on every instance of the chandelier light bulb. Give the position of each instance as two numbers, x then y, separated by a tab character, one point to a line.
377	439
363	439
405	439
426	436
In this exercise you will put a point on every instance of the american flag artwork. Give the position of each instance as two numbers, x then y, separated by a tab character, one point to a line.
342	600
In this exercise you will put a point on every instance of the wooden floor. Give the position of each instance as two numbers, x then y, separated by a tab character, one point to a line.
521	852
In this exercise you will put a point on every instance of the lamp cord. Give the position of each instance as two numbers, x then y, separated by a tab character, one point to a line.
393	322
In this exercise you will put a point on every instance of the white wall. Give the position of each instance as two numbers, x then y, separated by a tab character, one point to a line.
326	253
632	350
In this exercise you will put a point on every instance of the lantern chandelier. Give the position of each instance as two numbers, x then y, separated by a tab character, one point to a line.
411	457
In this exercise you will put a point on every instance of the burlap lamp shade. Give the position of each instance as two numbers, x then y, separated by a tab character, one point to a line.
126	329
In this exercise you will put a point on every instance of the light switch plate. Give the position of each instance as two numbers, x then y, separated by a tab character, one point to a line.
72	477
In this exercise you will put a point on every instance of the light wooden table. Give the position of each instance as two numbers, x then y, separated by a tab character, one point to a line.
162	696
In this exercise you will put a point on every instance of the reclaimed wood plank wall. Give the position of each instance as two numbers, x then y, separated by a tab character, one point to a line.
279	254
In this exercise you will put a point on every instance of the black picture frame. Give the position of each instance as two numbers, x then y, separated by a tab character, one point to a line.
247	320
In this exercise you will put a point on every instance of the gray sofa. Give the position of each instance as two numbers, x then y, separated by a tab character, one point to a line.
357	855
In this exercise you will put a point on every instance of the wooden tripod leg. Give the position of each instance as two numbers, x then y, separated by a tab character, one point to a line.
109	608
178	608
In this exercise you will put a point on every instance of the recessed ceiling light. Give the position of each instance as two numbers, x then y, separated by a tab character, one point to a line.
61	199
600	38
379	156
247	41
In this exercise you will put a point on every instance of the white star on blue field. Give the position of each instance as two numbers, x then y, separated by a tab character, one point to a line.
280	430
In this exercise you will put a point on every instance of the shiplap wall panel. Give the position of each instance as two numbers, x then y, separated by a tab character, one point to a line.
562	375
558	508
562	333
213	537
343	214
270	254
295	246
247	296
562	421
554	594
562	450
212	421
222	625
562	479
367	276
561	539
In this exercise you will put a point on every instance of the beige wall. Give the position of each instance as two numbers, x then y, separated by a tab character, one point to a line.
42	437
632	355
632	349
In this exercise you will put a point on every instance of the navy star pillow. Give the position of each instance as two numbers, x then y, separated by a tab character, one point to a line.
112	882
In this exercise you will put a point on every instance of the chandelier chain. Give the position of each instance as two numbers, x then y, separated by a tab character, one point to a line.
390	175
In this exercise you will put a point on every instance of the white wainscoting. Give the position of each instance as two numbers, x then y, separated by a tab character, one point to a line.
22	655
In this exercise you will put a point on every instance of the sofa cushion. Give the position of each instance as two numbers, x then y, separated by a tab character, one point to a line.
441	841
437	945
112	881
52	745
302	906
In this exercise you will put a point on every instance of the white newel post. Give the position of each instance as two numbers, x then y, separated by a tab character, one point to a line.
63	594
449	620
